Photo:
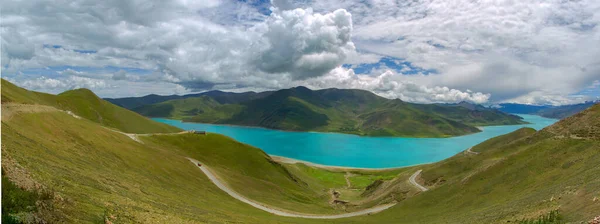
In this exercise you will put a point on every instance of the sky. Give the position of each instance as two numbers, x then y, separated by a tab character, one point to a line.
423	51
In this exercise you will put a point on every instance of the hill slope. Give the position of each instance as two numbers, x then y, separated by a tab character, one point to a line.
517	176
334	110
94	174
86	104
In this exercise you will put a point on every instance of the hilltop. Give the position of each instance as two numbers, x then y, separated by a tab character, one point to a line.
330	110
86	104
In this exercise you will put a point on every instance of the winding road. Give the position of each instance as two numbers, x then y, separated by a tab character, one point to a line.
213	178
414	182
237	196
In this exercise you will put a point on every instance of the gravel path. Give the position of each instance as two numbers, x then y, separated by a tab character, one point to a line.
237	196
414	182
469	151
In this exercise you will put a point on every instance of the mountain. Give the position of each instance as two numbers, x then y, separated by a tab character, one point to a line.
60	167
564	111
333	110
86	104
557	112
219	96
515	108
57	168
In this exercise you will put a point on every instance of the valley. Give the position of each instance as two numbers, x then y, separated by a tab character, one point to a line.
86	170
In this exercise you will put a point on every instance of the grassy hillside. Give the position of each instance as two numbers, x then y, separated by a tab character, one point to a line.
96	173
517	176
334	110
61	168
76	171
86	104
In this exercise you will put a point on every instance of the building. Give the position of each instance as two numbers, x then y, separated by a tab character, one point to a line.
198	132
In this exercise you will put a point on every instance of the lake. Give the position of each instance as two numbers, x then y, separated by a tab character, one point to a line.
335	149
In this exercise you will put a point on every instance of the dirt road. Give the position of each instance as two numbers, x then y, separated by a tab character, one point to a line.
274	211
414	182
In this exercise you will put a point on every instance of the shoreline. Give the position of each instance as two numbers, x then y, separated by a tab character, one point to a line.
287	160
330	132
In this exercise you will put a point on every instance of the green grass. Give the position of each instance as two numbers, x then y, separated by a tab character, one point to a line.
86	104
324	179
19	204
553	217
361	179
100	175
249	170
102	172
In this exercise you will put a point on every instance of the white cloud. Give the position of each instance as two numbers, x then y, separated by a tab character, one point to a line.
305	44
59	85
392	85
502	50
542	98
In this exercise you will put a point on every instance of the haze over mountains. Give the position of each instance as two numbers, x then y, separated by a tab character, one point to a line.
329	110
549	111
71	167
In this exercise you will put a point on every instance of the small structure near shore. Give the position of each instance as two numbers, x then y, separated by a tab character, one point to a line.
198	132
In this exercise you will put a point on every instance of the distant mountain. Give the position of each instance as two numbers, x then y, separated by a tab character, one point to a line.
331	110
219	96
557	112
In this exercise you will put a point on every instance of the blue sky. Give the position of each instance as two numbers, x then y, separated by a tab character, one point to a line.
419	51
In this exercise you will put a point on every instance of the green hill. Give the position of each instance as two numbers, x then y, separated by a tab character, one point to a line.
86	104
518	176
333	110
58	168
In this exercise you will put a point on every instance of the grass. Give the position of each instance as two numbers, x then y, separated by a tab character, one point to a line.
20	205
249	170
553	217
103	172
81	166
323	179
98	175
86	104
362	180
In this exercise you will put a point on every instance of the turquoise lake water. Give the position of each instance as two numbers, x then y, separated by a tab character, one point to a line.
357	151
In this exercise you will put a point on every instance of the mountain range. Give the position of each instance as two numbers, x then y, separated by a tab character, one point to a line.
63	162
349	111
549	111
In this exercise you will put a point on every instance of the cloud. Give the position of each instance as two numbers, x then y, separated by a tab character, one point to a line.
282	4
71	82
102	87
501	50
304	44
393	85
507	48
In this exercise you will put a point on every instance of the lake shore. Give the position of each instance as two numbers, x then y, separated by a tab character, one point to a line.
281	159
